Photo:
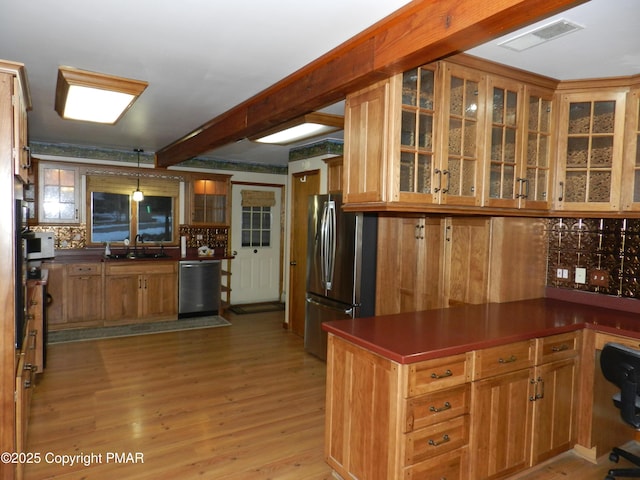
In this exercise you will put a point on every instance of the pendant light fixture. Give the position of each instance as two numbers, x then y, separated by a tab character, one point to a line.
138	196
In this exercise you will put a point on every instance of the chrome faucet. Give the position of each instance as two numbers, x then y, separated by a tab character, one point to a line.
135	241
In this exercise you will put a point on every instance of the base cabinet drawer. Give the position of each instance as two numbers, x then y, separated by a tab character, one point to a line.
436	407
436	439
437	374
450	466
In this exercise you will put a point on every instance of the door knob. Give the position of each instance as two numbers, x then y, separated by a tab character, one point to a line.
255	250
293	263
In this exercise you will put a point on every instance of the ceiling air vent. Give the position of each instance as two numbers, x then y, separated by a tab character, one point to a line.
540	35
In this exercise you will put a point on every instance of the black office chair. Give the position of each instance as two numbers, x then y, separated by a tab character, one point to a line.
621	366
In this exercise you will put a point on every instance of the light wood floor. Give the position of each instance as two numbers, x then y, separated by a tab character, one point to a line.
234	403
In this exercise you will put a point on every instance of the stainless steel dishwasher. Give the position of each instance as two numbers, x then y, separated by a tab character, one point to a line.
198	288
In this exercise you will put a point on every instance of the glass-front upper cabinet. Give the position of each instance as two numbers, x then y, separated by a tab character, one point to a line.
441	135
58	194
504	112
417	126
459	178
631	177
534	179
590	151
209	203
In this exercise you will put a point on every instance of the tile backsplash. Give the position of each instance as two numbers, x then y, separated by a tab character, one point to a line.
608	249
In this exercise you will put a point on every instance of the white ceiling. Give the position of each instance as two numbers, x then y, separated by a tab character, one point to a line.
203	57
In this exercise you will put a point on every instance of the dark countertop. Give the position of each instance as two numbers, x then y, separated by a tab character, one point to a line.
412	337
91	255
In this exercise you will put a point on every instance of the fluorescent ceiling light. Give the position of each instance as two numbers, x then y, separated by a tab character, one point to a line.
94	97
307	126
539	35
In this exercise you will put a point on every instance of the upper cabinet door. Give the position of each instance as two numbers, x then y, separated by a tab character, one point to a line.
366	134
58	194
462	127
503	140
535	173
413	156
209	202
590	150
631	177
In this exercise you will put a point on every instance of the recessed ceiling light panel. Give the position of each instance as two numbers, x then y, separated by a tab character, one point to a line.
307	126
540	35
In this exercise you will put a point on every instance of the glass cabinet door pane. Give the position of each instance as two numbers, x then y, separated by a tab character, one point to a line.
410	87
579	118
510	116
406	171
424	173
455	136
602	152
471	100
603	117
408	133
600	186
427	89
454	176
498	105
576	187
545	115
468	178
577	152
456	96
426	132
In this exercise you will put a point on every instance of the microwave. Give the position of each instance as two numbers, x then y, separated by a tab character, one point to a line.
40	245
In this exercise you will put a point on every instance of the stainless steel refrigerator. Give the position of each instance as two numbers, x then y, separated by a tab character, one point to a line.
341	268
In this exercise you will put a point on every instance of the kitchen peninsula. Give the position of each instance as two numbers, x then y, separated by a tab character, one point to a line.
474	391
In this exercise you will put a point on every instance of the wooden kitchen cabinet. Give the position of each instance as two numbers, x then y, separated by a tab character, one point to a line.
210	200
140	291
366	153
388	421
631	176
362	415
84	299
590	149
432	262
59	192
461	153
409	264
525	402
17	91
77	293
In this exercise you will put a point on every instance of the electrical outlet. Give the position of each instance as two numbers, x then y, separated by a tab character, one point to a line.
581	275
599	278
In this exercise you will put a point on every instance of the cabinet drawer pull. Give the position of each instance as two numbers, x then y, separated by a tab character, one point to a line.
445	439
448	373
446	406
560	348
511	359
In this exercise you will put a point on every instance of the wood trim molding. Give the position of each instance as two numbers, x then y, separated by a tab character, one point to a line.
419	33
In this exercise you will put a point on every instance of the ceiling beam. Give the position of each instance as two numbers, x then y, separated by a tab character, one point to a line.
418	33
